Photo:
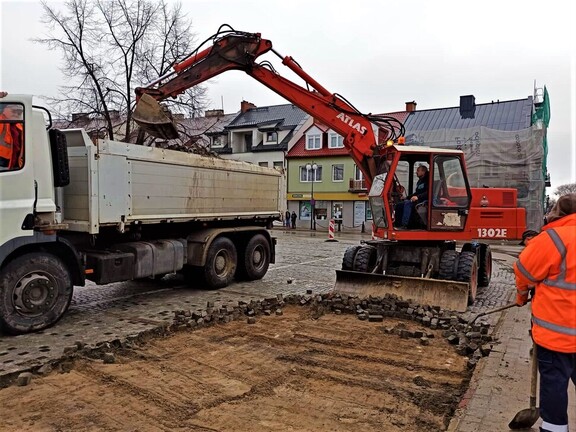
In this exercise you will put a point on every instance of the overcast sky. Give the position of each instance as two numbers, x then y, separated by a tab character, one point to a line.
377	54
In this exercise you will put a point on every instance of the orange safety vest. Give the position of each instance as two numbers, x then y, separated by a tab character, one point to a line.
5	140
549	264
7	144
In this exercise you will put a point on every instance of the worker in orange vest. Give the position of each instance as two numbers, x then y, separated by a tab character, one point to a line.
549	263
11	136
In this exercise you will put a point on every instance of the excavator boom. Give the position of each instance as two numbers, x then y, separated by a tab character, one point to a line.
239	51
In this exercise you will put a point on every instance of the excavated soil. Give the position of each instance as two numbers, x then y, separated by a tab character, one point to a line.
284	373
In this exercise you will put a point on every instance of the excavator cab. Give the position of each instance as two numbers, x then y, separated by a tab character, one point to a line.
445	205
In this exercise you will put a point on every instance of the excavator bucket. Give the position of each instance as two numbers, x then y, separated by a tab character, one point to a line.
154	119
449	295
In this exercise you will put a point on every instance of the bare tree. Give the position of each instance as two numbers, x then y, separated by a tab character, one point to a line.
565	189
110	47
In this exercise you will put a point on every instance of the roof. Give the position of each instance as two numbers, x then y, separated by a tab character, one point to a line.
507	116
285	116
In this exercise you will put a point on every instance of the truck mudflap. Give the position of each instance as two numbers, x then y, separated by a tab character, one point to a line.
450	295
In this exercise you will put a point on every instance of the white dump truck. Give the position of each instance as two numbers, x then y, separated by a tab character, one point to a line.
72	209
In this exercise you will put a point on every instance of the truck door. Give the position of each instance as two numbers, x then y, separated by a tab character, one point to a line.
16	173
450	194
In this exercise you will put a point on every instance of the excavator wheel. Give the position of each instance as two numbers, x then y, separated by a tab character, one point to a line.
448	265
349	255
467	271
365	259
485	265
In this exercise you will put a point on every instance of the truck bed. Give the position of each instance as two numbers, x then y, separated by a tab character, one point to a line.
116	183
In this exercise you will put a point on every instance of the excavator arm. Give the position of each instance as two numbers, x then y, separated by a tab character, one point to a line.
239	51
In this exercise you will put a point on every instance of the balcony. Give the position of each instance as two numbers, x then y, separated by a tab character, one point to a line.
356	186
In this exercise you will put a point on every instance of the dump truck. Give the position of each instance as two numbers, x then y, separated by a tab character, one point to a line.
74	209
418	262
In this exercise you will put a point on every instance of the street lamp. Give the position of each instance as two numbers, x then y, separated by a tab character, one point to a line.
312	167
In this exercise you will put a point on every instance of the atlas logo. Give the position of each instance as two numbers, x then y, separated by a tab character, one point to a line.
350	122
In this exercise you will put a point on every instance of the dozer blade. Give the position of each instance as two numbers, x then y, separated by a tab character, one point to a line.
154	119
450	295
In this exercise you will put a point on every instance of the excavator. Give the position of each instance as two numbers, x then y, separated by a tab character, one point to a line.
420	262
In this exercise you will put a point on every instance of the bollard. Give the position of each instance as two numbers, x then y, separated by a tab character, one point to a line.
331	231
363	228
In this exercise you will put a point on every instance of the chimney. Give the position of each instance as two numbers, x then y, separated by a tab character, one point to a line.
245	106
467	106
214	113
411	106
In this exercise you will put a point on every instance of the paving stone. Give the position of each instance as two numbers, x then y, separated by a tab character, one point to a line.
109	358
24	379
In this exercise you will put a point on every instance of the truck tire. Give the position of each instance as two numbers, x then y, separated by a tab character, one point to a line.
468	272
254	261
447	267
348	258
485	266
35	292
221	263
365	259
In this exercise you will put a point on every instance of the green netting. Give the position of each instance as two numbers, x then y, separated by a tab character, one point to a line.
543	110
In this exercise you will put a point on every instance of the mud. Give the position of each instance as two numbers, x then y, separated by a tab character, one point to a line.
295	372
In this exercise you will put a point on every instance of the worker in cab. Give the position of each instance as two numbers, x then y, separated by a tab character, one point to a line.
549	263
11	136
403	210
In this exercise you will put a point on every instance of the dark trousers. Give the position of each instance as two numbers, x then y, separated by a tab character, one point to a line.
402	213
556	370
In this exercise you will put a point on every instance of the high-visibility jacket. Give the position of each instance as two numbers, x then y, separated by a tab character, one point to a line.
8	145
549	264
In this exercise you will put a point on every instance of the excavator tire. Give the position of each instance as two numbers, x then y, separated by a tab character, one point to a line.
349	255
467	271
448	265
365	259
485	266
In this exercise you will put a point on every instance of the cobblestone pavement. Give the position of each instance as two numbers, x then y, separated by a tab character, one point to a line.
117	311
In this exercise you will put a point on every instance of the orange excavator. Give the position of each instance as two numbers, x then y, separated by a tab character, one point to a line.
419	261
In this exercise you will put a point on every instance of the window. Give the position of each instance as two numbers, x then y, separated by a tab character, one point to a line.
313	142
358	175
271	137
338	173
218	141
263	164
335	141
279	165
306	176
11	136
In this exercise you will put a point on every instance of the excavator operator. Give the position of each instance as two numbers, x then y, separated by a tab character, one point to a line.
403	210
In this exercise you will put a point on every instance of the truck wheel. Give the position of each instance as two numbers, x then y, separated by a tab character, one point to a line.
255	260
468	272
35	291
365	259
448	265
485	266
349	255
221	263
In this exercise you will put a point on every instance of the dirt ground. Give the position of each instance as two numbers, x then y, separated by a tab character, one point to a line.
284	373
